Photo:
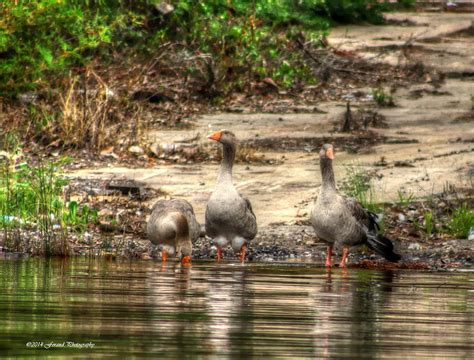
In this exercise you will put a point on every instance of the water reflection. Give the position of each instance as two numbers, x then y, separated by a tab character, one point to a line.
229	310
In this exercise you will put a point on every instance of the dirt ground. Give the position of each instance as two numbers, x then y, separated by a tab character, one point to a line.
427	145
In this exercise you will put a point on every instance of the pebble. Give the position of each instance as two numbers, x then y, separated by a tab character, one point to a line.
414	246
401	217
105	212
137	150
470	235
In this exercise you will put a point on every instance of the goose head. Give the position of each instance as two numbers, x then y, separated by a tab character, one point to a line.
223	136
327	152
186	250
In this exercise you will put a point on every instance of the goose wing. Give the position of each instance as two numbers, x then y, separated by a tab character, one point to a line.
249	220
364	217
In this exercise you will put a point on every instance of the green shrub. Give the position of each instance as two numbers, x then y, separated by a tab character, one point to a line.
43	40
382	98
352	11
32	197
429	223
462	219
358	184
47	37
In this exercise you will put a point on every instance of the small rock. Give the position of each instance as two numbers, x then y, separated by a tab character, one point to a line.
107	151
105	212
414	246
412	213
28	98
401	217
4	154
164	8
137	150
470	235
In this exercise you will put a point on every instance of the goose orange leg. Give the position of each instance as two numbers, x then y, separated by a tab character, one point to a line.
345	253
164	256
329	257
219	254
243	252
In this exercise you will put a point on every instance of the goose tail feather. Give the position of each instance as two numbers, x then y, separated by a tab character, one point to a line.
382	246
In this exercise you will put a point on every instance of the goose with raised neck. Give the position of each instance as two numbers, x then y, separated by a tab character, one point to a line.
343	221
229	215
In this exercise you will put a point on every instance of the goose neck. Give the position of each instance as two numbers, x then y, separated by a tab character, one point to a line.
327	174
228	156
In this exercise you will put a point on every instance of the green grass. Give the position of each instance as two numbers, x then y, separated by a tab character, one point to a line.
462	219
358	184
429	223
45	39
405	198
32	202
382	98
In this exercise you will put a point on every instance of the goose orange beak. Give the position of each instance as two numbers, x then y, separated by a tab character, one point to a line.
215	136
186	260
330	153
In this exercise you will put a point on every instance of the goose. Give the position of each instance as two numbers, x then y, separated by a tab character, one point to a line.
173	226
229	216
337	219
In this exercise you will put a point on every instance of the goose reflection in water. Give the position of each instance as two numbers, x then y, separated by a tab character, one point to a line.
230	326
178	312
359	297
226	311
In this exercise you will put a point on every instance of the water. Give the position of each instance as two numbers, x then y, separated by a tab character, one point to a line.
53	308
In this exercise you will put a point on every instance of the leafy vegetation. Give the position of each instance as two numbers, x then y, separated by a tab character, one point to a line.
382	98
349	11
429	223
404	197
41	41
32	201
64	60
462	220
358	184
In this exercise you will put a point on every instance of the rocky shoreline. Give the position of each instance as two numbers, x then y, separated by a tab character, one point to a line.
282	243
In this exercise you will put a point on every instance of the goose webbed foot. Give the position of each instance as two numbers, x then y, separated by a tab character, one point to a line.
243	253
345	253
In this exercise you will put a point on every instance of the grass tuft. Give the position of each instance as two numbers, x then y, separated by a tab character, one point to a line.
462	220
34	216
382	98
358	184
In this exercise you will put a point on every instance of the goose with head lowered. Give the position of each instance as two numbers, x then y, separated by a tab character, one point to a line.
340	220
173	226
229	215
